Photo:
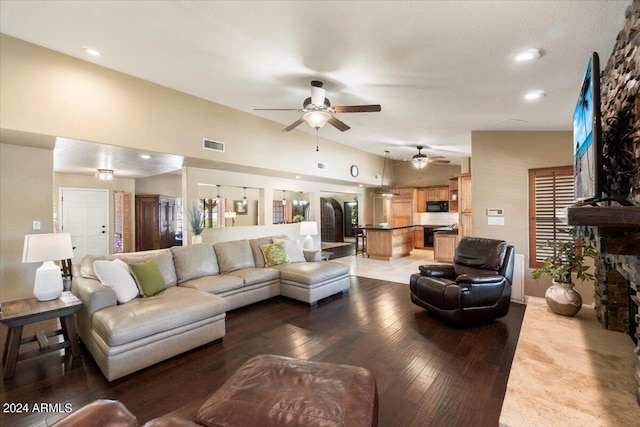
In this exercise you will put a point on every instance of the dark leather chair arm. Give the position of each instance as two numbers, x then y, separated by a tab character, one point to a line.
468	280
481	291
444	271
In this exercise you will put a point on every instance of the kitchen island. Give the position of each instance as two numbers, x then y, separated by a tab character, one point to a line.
387	243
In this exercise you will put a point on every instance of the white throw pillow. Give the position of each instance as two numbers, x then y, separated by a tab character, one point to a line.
117	276
293	248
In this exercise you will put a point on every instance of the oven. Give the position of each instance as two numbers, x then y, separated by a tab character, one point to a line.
428	235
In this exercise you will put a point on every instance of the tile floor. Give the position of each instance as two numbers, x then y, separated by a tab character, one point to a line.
398	270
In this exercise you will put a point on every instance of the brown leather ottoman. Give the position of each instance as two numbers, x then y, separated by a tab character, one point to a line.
277	391
100	413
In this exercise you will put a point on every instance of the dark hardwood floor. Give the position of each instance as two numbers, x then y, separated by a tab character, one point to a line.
428	373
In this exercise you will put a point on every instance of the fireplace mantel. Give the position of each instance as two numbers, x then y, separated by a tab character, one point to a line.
604	216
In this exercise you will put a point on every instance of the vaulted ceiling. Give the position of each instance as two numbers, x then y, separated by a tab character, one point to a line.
440	69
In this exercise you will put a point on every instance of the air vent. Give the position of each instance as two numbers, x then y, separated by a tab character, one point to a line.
210	144
322	165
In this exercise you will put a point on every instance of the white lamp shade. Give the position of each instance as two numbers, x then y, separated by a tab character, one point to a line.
309	228
47	247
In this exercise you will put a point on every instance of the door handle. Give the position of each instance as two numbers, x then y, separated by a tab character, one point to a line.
103	232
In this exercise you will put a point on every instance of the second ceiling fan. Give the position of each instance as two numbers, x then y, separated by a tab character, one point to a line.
421	160
318	111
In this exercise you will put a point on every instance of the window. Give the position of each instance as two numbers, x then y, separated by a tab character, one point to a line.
550	190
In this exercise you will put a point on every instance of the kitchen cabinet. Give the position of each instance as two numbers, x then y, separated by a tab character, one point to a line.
419	239
460	193
402	208
155	222
464	193
389	243
444	246
421	199
436	194
465	225
430	194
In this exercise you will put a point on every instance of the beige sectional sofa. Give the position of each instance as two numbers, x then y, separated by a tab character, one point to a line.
202	283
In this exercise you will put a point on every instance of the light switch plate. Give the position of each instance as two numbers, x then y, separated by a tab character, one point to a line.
36	225
495	220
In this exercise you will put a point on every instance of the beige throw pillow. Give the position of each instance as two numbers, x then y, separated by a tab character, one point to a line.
294	251
117	276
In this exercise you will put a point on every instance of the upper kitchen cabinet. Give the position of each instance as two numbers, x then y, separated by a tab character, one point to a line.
422	195
460	193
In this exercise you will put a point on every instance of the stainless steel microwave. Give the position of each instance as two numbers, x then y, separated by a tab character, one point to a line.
439	206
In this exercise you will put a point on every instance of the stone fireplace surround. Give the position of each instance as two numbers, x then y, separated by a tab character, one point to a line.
617	238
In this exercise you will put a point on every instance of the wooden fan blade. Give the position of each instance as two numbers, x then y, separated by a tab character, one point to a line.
436	157
357	108
293	125
440	161
276	109
338	124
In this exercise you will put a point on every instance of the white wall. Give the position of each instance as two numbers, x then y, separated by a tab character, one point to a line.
26	176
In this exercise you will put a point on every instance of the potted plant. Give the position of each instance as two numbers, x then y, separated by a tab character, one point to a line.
568	257
197	223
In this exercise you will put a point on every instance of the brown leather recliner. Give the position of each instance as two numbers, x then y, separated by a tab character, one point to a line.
475	289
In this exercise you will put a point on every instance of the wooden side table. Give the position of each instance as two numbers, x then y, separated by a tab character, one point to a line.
325	255
16	314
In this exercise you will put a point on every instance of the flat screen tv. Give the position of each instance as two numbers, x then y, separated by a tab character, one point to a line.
587	137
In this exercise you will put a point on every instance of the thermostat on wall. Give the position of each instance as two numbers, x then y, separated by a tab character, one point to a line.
495	212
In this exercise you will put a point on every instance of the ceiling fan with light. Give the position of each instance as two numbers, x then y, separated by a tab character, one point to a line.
318	111
421	160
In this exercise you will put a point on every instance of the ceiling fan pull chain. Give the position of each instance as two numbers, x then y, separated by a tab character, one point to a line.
317	140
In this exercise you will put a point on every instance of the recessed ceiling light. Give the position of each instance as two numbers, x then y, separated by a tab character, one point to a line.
145	156
92	52
526	55
533	95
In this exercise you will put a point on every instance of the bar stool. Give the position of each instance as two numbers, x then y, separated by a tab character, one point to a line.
361	241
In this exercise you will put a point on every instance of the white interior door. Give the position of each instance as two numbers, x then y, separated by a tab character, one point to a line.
85	215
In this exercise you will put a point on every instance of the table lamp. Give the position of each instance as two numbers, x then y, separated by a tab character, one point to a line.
310	228
47	248
232	216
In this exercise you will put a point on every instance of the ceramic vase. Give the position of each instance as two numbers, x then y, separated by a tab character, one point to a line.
563	299
196	238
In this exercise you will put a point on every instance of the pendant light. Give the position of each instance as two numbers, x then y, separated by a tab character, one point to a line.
284	200
244	198
218	195
384	190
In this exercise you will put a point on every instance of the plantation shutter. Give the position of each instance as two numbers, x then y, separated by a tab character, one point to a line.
550	191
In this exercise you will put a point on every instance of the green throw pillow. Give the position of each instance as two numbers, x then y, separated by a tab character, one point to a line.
149	277
275	254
